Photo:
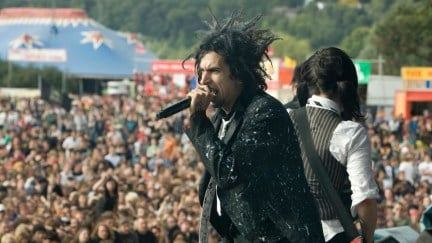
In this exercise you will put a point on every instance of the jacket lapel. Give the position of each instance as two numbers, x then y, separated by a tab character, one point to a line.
232	127
216	120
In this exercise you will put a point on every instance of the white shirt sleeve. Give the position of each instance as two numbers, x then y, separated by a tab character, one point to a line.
350	145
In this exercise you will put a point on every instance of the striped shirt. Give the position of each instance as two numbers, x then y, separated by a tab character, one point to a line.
350	146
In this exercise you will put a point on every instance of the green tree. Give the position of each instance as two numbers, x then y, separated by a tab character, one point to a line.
27	76
354	42
379	8
327	26
298	49
405	36
168	27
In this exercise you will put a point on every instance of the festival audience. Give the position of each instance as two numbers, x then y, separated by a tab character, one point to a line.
108	171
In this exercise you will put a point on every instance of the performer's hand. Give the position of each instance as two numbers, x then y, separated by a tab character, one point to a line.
357	240
201	98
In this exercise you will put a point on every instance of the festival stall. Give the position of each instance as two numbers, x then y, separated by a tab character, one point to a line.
71	41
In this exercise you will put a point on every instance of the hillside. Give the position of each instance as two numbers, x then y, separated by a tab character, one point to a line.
364	28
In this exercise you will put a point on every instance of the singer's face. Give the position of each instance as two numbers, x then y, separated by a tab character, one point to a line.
216	75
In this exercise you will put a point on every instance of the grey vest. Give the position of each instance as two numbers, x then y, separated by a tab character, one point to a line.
323	123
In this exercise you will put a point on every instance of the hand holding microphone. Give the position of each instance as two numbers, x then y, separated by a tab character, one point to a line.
197	99
201	98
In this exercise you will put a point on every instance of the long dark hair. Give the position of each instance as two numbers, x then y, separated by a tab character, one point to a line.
241	45
332	72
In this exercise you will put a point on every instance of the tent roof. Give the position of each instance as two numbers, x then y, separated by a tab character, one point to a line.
90	49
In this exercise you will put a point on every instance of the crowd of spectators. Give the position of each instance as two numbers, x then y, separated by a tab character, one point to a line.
107	171
104	171
401	153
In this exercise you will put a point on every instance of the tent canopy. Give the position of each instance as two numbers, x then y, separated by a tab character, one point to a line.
71	41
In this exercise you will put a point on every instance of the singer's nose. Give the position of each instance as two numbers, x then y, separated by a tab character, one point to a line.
205	79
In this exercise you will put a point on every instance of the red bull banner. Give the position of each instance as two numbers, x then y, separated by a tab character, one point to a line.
37	55
173	66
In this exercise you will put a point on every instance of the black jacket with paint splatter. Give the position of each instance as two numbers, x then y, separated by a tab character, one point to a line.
259	174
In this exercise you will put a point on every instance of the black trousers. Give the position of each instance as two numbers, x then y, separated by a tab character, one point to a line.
241	239
238	239
339	238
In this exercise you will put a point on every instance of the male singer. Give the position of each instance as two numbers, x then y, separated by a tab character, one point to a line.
253	188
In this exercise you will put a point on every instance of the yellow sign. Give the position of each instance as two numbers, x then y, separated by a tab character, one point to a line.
416	73
289	62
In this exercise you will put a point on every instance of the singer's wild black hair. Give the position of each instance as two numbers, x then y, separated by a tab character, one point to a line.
331	71
242	46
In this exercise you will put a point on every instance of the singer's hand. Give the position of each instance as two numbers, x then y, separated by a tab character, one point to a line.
201	98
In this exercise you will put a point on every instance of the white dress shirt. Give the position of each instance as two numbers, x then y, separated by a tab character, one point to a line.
350	145
221	134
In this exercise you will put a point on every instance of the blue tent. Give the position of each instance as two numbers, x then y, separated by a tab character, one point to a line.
72	42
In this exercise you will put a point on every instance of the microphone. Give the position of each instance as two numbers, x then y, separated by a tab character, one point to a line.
174	108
